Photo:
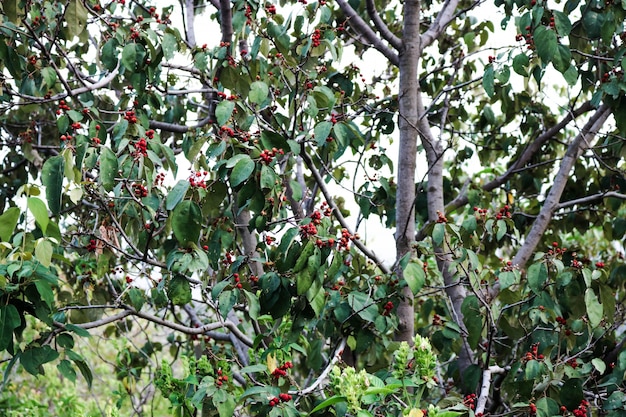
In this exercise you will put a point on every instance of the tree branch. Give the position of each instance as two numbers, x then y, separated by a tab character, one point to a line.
443	19
189	20
342	221
580	143
336	358
366	32
486	385
530	150
382	28
590	198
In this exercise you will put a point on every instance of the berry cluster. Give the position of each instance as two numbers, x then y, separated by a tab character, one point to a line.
141	149
198	179
225	130
532	408
599	264
228	259
307	230
76	125
269	240
573	363
150	133
492	59
530	42
581	410
441	218
66	138
62	107
470	401
316	218
130	116
346	238
326	208
316	38
329	243
387	308
237	280
95	140
160	177
267	156
504	212
134	34
562	322
282	370
91	247
221	378
139	190
533	354
282	397
437	320
270	9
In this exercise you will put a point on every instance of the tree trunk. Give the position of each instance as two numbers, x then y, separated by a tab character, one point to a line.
405	195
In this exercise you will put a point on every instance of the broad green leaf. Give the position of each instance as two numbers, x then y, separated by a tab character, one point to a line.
592	23
562	58
223	111
84	370
49	76
269	178
546	43
488	81
501	229
594	308
75	17
108	168
8	221
328	402
12	10
32	359
572	393
571	75
176	194
363	305
322	131
39	211
438	233
304	278
520	63
227	300
506	279
472	318
179	290
187	222
9	321
562	23
43	252
52	178
414	276
547	407
108	54
129	56
67	370
599	364
537	276
169	45
258	92
242	171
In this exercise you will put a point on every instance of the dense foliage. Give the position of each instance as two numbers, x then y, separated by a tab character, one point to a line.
180	221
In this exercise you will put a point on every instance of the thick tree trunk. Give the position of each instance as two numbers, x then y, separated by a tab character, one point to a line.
405	195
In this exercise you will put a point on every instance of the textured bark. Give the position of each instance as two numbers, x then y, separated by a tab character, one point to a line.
407	122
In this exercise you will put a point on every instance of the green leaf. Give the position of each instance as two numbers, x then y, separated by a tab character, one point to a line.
594	308
571	75
49	76
439	232
169	45
32	359
571	393
108	55
242	171
592	23
501	229
363	305
176	194
187	222
328	402
84	370
129	56
506	279
547	407
562	58
108	168
8	221
472	319
562	23
546	43
258	92
304	278
9	321
520	63
67	370
43	252
537	276
39	211
414	276
227	300
179	290
488	81
223	111
52	178
599	364
322	131
269	179
76	18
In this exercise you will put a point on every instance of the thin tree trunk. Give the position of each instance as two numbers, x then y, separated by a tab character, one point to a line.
405	195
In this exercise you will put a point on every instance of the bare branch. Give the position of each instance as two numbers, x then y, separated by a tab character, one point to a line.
382	27
486	385
581	142
366	32
443	19
336	358
342	221
530	150
189	22
590	199
176	128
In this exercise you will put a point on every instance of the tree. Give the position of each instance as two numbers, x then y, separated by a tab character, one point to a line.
183	190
